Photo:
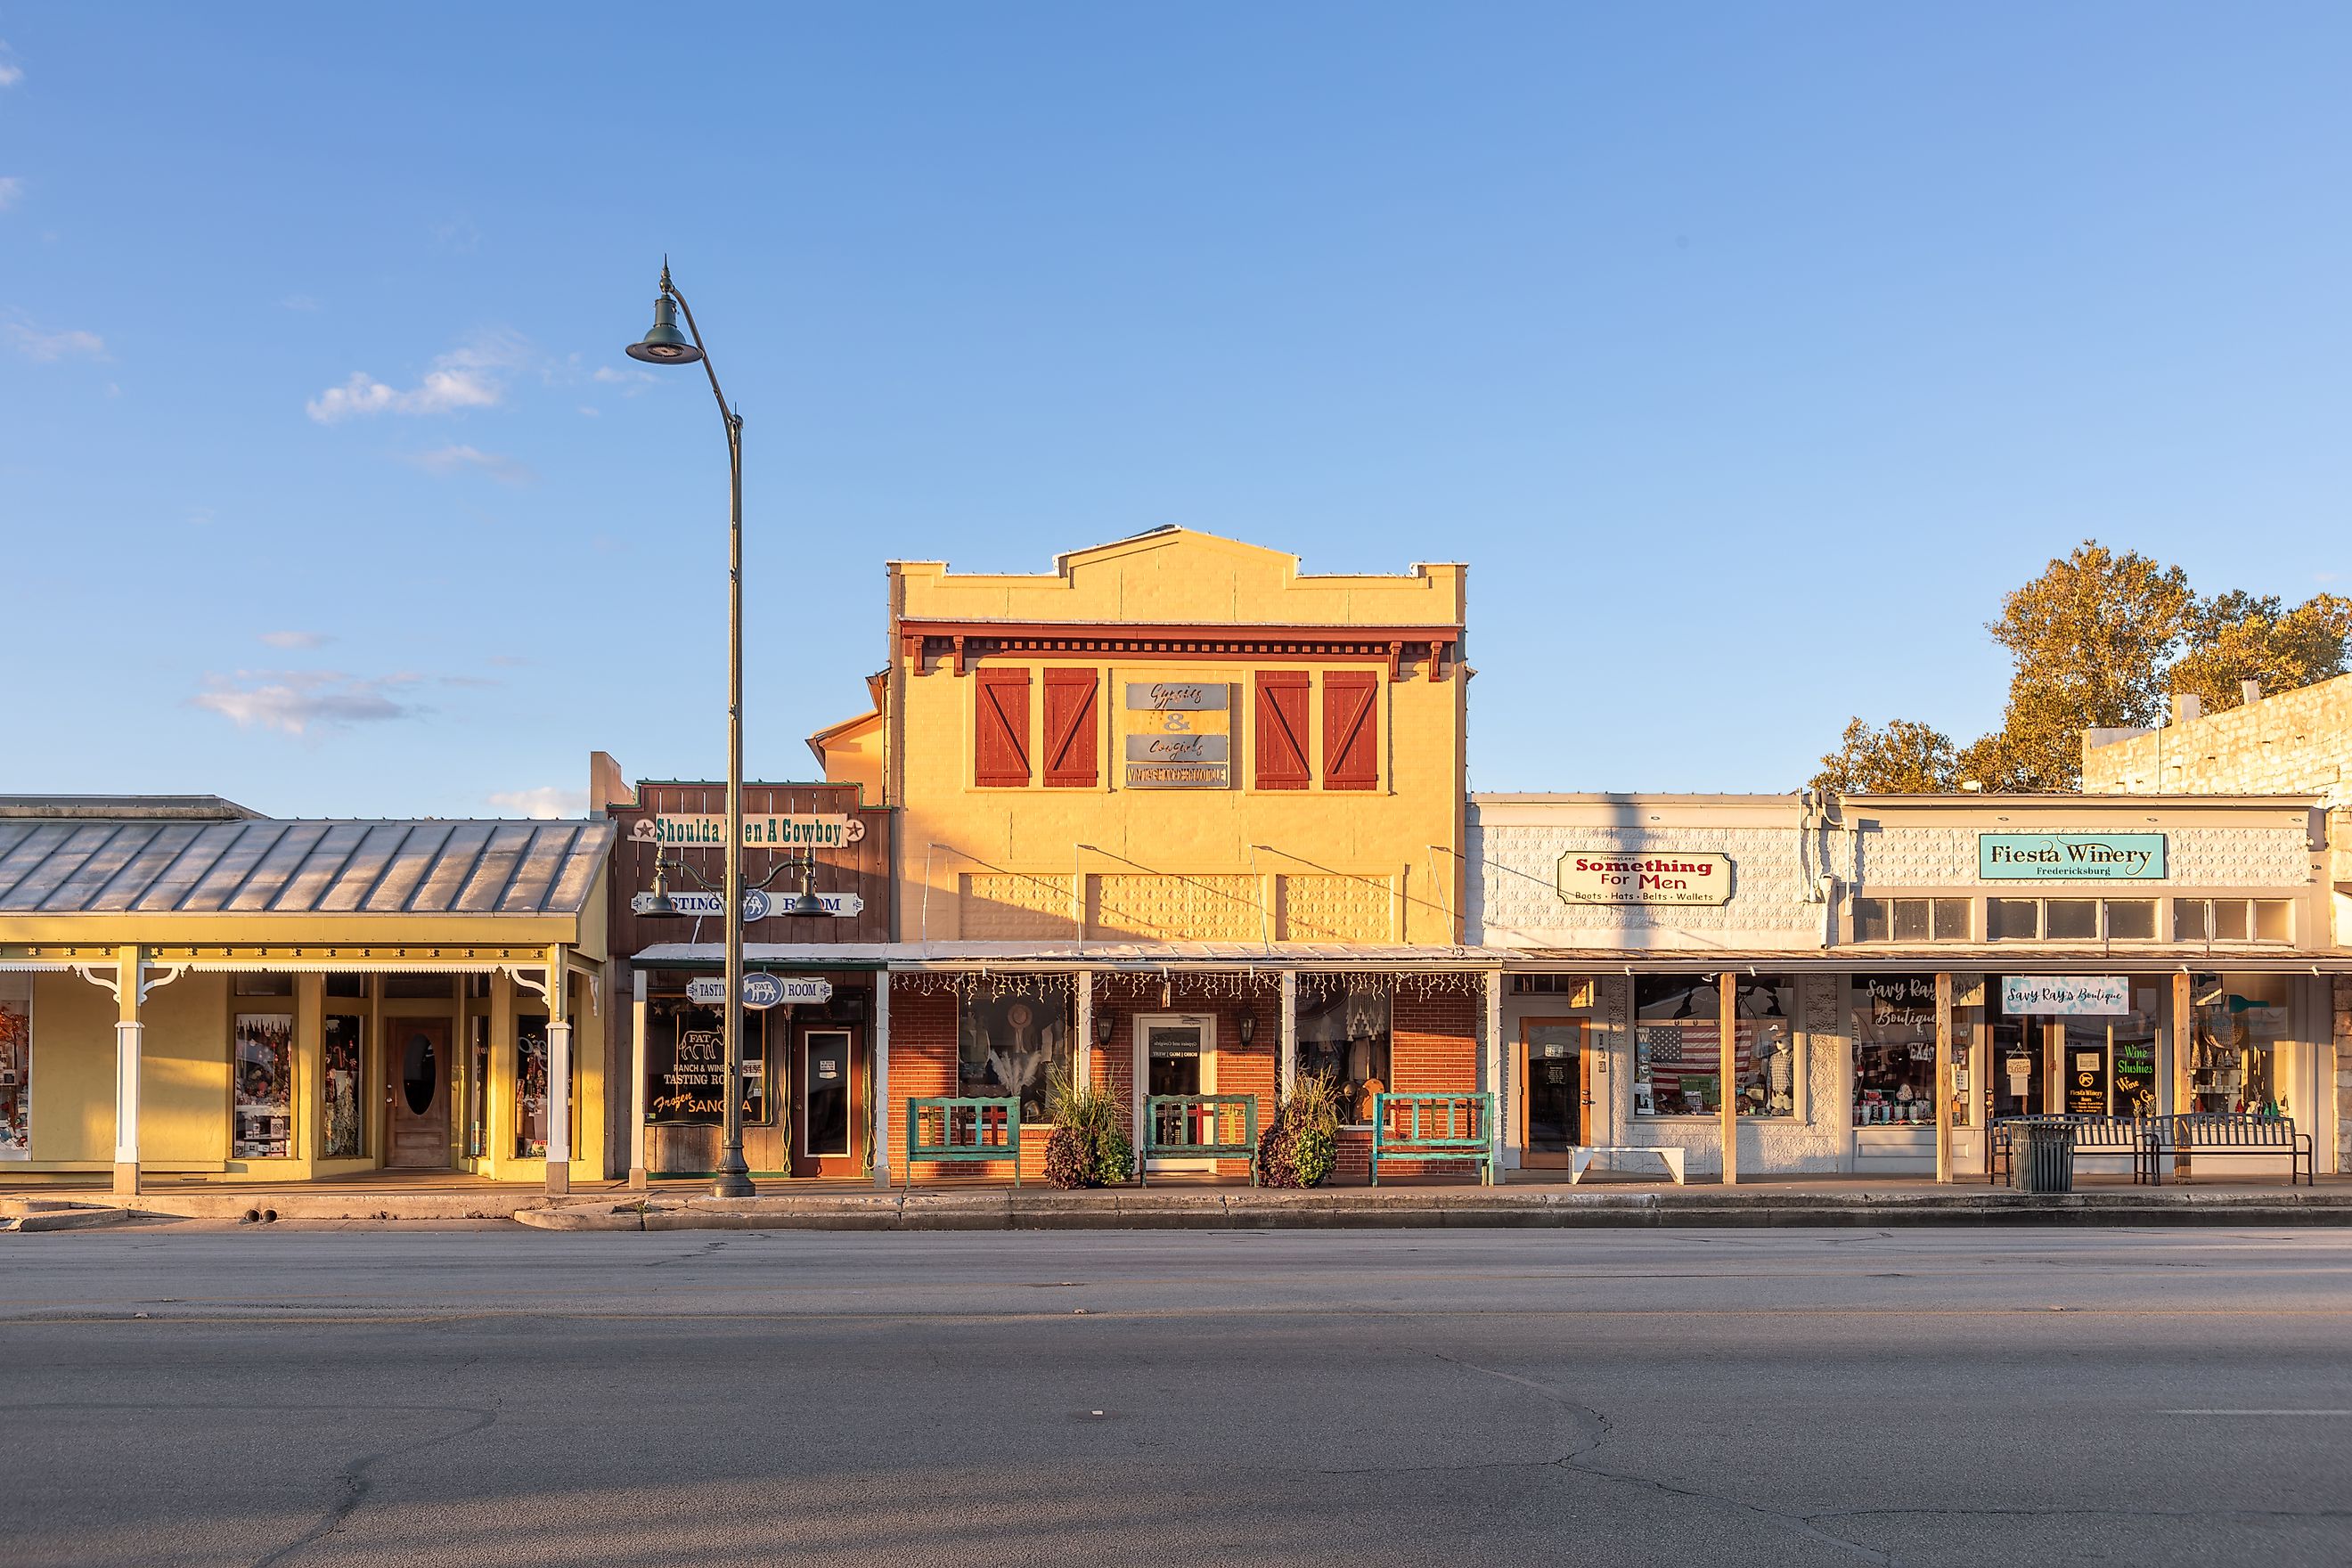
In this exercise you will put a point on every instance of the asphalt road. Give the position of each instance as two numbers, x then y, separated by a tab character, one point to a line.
341	1396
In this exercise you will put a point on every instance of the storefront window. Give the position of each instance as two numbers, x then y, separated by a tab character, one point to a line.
478	1091
16	1066
1677	1047
2241	1026
530	1090
1911	919
339	1107
264	1100
686	1064
2077	1062
1012	1045
1894	1050
1343	1034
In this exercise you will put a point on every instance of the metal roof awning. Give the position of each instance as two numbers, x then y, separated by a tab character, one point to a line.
1956	960
1148	956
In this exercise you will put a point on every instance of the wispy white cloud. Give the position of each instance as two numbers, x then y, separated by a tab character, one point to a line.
298	700
509	660
296	639
12	187
466	377
471	682
461	459
298	302
629	379
546	802
11	73
48	347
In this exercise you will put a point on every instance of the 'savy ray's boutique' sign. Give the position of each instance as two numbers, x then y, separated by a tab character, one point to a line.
2070	856
1626	876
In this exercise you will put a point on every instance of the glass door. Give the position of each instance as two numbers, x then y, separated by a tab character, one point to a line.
1554	1113
1177	1059
2017	1088
824	1073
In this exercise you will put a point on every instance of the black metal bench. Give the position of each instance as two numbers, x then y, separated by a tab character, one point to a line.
2240	1133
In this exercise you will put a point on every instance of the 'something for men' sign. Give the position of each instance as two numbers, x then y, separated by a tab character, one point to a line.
1178	735
1626	877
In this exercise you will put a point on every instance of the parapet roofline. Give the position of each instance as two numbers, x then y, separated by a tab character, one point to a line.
126	808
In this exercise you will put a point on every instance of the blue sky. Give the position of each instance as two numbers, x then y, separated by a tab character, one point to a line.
1747	353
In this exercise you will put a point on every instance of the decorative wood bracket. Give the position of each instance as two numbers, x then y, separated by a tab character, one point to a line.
150	976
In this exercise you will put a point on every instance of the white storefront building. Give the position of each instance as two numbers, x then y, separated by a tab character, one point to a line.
2028	953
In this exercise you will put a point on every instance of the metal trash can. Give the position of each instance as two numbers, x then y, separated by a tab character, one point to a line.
2041	1157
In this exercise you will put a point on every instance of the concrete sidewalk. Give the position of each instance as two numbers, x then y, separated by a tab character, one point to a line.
857	1206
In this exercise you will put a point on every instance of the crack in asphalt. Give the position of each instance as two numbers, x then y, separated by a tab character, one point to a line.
1602	1429
356	1483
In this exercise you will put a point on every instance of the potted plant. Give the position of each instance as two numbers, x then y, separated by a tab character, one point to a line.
1088	1147
1301	1143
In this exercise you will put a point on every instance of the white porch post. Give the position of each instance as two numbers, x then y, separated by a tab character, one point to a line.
637	1179
1288	1067
1083	981
130	968
558	1073
1727	1067
1495	1075
879	1111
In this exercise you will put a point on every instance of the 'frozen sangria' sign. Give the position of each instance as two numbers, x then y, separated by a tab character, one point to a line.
1624	877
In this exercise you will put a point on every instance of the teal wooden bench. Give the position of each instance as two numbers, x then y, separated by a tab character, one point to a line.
942	1129
1433	1127
1199	1127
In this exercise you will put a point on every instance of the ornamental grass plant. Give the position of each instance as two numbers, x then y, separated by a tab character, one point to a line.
1088	1147
1301	1143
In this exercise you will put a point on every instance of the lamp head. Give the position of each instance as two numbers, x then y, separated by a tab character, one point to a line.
664	344
660	907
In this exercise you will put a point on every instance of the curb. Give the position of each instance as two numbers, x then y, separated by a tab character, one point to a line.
58	1217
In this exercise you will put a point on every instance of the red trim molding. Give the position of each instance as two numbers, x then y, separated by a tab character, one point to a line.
969	643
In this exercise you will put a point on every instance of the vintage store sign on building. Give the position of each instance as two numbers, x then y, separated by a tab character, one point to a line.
2070	856
1178	735
1622	877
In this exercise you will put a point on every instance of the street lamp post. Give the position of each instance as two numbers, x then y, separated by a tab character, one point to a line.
664	345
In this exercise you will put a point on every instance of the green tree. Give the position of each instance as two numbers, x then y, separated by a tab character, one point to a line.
2237	636
1904	758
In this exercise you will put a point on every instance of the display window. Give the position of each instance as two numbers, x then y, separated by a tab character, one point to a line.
1894	1050
686	1064
263	1093
16	1066
531	1104
1677	1047
1012	1045
342	1059
2240	1026
2076	1064
1343	1036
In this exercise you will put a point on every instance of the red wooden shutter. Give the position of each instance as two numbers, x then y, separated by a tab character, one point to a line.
1281	745
1071	748
1351	730
1001	733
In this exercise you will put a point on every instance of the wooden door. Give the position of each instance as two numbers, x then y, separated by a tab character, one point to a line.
418	1067
828	1085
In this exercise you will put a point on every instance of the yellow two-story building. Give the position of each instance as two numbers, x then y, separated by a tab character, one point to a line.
1181	820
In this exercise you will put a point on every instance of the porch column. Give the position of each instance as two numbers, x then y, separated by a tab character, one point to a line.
1083	983
1494	1075
2184	1042
558	1073
1287	1067
130	968
637	1084
880	1109
1727	1063
1944	1078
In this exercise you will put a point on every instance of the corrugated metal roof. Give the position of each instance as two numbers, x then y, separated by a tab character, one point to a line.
261	866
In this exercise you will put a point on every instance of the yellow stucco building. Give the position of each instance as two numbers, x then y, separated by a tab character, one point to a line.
188	990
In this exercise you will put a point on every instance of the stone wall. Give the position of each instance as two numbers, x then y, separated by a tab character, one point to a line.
2297	743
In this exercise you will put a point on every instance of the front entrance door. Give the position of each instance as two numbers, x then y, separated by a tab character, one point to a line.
1553	1116
1177	1056
419	1066
827	1103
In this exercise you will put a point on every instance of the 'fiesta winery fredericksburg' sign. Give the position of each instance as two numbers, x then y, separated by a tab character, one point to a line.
1626	877
1178	736
2070	856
